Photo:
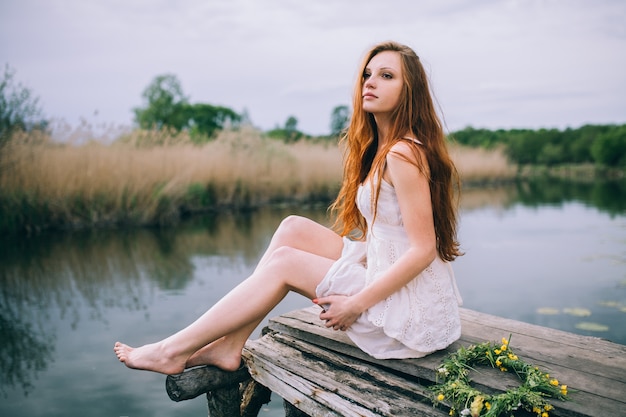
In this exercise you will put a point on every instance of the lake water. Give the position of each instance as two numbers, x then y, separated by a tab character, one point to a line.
551	253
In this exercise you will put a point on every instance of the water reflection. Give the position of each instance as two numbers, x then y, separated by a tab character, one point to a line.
81	276
606	196
547	252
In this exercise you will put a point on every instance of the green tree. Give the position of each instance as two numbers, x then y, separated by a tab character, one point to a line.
288	133
292	134
203	120
19	109
339	120
609	148
164	104
291	125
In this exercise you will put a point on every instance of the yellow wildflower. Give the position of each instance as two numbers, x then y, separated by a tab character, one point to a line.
544	414
554	382
503	369
504	341
440	397
487	405
451	412
536	410
547	407
497	351
513	357
503	347
498	362
476	406
564	389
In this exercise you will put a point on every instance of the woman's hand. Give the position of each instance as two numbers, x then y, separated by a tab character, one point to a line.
339	311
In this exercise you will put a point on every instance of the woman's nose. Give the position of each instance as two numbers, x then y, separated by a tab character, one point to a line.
369	83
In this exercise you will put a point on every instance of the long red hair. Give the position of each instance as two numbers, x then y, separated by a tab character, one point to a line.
415	116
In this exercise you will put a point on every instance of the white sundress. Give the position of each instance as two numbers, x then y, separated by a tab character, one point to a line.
420	318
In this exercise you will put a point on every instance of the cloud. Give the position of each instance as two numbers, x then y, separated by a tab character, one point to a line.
505	63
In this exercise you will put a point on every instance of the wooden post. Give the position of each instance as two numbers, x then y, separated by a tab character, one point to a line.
253	396
197	381
229	394
224	402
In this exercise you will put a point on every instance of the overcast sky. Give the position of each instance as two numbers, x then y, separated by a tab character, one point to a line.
492	63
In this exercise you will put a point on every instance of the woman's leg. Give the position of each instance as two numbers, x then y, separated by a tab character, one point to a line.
233	318
225	352
305	234
294	232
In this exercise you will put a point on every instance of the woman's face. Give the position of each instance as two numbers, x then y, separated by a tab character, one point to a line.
382	83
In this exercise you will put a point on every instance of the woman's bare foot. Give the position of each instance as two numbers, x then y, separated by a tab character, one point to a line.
219	354
153	357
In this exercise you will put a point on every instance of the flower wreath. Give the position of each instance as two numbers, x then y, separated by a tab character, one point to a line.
531	395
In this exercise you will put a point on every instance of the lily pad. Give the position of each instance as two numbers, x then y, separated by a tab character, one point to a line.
578	312
592	327
548	311
609	304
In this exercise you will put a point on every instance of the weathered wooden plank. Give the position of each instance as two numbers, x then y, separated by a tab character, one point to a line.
253	397
594	383
302	394
557	344
338	381
593	368
554	348
488	380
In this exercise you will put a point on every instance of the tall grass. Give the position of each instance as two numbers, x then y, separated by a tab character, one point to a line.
153	177
479	166
48	184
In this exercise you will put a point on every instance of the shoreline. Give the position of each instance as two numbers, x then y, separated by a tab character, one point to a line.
477	194
51	186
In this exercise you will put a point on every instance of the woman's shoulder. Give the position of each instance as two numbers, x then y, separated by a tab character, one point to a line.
405	148
407	151
411	139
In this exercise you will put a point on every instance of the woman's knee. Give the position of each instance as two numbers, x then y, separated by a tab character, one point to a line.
282	259
291	228
283	253
296	270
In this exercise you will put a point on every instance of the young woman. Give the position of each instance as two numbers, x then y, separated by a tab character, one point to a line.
384	278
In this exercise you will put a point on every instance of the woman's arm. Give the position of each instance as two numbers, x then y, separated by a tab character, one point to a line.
413	192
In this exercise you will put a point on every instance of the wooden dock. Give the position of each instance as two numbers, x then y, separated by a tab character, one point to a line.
321	373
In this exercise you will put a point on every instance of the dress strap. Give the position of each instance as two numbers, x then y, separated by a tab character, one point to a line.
412	140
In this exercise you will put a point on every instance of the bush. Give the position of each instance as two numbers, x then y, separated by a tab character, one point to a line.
602	144
19	110
610	148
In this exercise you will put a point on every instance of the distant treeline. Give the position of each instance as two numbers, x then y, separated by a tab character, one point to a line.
598	144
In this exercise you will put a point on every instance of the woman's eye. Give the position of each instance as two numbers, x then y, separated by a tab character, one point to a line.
387	75
366	75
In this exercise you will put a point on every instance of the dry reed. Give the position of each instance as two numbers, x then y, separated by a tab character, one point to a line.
150	177
479	165
123	182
